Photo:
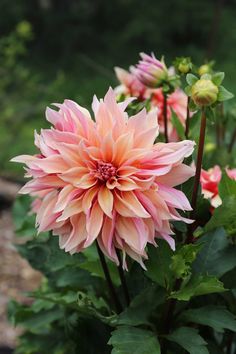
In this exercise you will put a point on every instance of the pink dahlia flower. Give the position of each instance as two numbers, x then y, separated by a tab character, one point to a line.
151	71
106	180
176	102
209	182
130	85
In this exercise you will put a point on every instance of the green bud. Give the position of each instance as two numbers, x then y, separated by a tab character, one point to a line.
204	69
204	92
183	64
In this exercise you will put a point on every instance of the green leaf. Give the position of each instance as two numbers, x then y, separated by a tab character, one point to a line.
183	258
178	125
189	339
224	216
142	307
187	90
158	264
198	285
217	78
216	256
227	186
126	340
210	114
191	79
224	94
218	318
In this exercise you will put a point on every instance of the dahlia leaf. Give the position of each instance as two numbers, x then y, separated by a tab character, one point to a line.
178	125
126	340
217	78
183	258
198	285
216	256
191	79
218	318
224	94
158	264
189	339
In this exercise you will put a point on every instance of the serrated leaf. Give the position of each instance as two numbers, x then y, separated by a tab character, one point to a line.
189	339
191	79
218	318
158	264
217	78
224	94
198	285
126	340
217	256
178	125
183	258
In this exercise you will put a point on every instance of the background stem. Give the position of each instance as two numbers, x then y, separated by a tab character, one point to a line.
111	287
198	174
165	118
187	120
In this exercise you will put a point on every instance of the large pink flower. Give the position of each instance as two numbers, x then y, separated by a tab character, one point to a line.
106	180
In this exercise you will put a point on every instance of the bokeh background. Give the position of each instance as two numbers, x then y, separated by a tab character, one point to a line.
56	49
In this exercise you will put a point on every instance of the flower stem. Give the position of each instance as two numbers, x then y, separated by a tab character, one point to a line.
232	141
187	120
198	174
111	287
122	279
165	118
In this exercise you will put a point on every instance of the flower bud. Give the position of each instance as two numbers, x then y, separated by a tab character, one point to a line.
151	71
204	92
184	65
204	69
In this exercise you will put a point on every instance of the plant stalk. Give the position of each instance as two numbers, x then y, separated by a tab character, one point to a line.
232	141
165	118
189	238
111	287
187	120
122	279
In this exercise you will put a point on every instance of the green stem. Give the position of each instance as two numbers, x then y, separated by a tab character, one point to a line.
111	287
232	141
187	120
165	118
197	175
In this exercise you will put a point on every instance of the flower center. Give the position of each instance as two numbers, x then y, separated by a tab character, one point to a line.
105	170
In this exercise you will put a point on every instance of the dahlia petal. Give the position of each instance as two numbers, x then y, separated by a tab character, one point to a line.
177	175
130	200
94	224
75	207
174	197
105	200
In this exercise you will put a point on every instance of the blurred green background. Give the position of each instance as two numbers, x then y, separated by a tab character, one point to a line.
56	49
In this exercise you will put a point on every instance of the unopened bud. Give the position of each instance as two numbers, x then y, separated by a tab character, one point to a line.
204	92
